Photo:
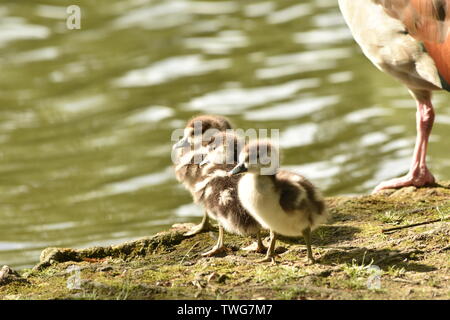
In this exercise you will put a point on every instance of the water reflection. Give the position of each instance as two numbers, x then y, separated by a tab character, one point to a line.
172	69
234	100
294	109
17	28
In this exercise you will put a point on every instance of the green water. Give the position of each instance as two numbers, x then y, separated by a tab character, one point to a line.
86	115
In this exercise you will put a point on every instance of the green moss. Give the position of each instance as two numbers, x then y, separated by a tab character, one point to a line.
414	263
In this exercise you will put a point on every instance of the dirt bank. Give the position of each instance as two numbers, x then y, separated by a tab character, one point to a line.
355	260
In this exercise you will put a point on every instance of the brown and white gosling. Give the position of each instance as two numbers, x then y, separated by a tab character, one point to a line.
218	192
190	150
284	202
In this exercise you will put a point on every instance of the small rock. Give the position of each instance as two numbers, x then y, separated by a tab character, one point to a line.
8	275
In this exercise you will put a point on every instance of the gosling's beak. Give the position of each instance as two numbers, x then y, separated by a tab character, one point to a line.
240	168
205	161
181	144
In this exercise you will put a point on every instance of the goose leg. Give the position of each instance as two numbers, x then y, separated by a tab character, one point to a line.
307	236
419	175
218	248
270	255
204	226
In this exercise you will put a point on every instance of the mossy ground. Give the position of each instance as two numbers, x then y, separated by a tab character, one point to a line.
414	263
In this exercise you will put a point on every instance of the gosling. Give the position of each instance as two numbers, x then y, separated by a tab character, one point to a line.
218	193
284	202
190	150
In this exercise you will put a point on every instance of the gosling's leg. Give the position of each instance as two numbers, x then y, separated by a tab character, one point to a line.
204	226
219	247
258	247
307	235
270	255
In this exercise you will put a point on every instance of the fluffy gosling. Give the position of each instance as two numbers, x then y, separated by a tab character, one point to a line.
218	193
191	149
284	202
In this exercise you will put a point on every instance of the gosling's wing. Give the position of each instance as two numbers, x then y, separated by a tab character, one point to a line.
291	196
297	193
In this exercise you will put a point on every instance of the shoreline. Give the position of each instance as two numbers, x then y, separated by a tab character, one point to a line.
356	259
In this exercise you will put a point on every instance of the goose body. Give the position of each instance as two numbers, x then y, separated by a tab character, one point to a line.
284	202
386	41
408	39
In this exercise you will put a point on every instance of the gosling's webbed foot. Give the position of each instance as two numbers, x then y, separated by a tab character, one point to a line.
256	247
270	255
307	235
215	251
200	228
267	259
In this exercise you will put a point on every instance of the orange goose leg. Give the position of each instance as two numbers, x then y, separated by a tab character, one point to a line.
419	175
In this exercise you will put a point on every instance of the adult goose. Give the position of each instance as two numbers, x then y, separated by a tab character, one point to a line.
408	39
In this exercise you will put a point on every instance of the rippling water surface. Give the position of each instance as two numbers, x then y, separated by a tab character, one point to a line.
86	115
